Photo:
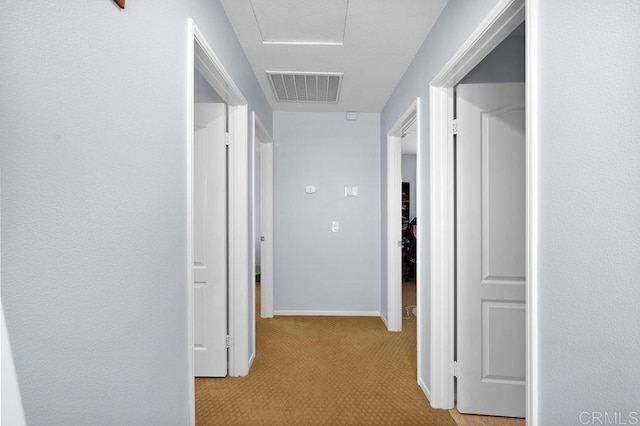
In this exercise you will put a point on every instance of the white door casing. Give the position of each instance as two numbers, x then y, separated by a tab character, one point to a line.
394	234
499	22
210	240
409	119
201	57
491	249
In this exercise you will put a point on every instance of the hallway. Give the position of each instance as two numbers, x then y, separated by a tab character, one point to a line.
324	370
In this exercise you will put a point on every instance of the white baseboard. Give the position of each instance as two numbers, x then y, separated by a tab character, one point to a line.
329	313
425	389
251	359
384	320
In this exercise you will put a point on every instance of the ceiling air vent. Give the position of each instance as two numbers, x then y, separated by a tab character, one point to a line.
305	86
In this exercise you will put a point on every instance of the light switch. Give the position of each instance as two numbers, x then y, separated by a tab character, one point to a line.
335	226
350	191
310	189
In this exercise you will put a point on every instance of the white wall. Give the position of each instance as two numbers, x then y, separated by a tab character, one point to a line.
456	22
94	274
589	189
315	269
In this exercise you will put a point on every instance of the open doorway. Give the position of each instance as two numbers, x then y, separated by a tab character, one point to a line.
261	229
262	220
490	222
395	245
202	59
498	25
210	238
408	126
408	167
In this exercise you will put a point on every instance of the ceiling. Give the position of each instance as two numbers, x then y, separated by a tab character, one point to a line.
370	42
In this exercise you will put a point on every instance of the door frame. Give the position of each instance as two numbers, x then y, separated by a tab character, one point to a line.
393	321
263	138
497	25
201	57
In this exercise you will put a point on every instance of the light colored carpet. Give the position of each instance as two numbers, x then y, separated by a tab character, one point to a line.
324	371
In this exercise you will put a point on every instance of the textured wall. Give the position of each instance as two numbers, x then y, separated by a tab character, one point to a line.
456	22
93	120
505	63
202	90
316	269
589	211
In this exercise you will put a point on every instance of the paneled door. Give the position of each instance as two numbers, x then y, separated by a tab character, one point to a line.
490	239
210	240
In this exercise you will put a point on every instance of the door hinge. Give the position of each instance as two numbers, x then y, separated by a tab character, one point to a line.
454	127
228	138
262	239
455	369
228	341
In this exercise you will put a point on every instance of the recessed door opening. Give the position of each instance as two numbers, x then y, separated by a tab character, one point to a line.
408	149
489	211
479	221
210	236
409	127
217	216
263	216
400	244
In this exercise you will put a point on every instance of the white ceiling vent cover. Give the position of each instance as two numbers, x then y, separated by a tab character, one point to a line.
306	86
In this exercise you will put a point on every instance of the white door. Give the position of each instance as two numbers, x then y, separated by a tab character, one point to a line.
491	283
210	240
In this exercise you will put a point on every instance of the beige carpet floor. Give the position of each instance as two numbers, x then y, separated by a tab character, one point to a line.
324	371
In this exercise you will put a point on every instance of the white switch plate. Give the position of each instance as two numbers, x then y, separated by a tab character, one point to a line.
335	226
310	189
350	191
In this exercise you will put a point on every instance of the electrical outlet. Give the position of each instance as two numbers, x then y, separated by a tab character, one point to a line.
335	226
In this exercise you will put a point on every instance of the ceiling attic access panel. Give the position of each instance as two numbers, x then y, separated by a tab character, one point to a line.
301	21
305	87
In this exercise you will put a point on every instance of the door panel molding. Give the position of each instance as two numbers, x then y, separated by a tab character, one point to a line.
494	243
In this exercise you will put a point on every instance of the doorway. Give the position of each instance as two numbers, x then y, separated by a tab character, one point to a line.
262	194
406	125
408	150
210	285
500	22
408	122
202	59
